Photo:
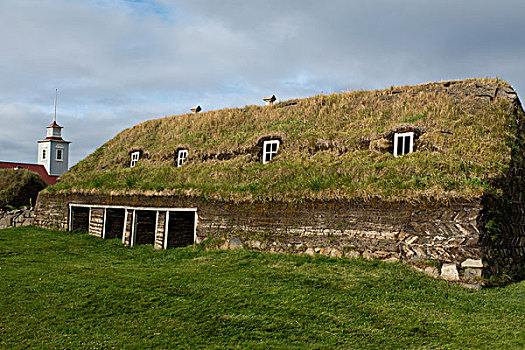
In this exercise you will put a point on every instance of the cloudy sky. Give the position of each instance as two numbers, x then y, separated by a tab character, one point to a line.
120	62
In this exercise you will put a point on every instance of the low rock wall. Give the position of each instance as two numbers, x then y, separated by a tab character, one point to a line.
52	211
17	217
447	235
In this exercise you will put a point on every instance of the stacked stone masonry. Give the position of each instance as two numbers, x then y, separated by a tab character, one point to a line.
16	218
450	235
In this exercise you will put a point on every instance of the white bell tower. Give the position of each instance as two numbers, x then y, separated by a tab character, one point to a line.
53	151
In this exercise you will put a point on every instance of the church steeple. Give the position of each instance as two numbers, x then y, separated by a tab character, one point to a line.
53	151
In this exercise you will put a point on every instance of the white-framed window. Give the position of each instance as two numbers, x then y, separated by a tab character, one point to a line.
403	143
134	158
44	151
181	157
270	149
60	155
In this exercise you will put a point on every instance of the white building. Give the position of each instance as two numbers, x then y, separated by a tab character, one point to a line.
53	151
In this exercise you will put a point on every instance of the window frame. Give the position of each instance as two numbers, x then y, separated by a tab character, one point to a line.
270	153
182	155
135	156
61	151
402	135
44	151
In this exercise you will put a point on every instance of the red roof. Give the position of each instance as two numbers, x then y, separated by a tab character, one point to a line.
54	138
55	124
38	169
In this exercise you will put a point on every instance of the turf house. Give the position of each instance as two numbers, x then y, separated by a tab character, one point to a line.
429	173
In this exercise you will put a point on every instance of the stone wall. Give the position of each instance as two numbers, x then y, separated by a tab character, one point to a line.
450	235
17	217
52	212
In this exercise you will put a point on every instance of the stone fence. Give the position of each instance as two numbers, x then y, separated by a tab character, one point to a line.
444	240
17	217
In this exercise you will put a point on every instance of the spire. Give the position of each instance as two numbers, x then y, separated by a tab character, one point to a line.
54	130
55	118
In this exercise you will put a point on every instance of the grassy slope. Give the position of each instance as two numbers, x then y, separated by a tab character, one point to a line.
62	290
470	158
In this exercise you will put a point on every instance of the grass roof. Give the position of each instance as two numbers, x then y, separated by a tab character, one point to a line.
334	147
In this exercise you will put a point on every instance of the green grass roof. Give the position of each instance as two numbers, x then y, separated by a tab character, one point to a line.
334	148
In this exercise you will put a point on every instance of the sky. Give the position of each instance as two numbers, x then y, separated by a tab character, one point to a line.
117	63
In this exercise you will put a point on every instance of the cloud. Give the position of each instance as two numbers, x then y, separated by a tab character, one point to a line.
117	63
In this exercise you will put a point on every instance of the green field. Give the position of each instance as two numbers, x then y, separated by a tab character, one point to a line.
62	290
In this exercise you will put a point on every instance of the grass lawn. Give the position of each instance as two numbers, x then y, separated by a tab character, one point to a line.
63	290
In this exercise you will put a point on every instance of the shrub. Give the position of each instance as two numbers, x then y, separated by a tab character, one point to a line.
19	187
